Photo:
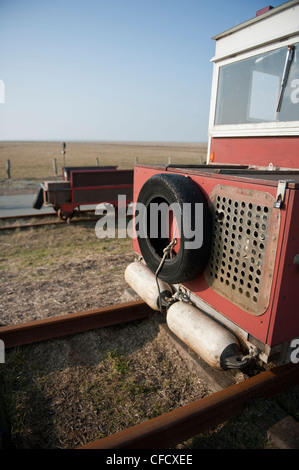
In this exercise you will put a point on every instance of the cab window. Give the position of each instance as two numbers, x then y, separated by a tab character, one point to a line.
250	90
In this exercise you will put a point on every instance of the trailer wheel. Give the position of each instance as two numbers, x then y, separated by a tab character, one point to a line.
185	262
61	215
69	217
65	216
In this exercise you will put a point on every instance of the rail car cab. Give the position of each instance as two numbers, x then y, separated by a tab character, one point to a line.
228	283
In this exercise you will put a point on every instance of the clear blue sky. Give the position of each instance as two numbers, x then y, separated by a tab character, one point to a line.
129	70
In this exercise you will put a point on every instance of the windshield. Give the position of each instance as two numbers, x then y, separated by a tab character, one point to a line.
249	90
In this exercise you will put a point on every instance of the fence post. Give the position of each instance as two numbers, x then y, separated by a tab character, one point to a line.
63	153
8	169
98	163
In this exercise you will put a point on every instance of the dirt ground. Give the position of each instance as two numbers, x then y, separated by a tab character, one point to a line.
67	392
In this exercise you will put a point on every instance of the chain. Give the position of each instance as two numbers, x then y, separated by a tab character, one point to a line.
166	251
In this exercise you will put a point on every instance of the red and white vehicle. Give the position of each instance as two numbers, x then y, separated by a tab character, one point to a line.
235	296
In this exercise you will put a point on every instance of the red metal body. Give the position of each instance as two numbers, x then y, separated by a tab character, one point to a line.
279	321
107	185
89	186
281	152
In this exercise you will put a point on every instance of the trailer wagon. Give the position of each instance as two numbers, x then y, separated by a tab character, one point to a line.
85	186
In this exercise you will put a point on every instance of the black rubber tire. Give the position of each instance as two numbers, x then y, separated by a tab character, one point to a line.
188	263
61	215
39	199
65	216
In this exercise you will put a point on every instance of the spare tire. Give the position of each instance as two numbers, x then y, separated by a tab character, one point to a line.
187	263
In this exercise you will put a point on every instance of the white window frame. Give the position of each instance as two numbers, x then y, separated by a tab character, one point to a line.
286	128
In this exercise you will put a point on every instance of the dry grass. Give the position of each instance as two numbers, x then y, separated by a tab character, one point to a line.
59	269
70	391
35	159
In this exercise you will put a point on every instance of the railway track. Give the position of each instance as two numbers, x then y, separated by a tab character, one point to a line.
44	217
64	325
49	216
172	428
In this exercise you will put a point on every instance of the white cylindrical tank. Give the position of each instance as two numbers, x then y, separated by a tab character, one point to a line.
210	340
143	282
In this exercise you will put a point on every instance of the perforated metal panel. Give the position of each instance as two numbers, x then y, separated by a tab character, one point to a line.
245	234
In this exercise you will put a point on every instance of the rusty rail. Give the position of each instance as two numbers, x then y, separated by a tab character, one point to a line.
40	330
181	424
42	224
47	215
48	222
172	428
38	215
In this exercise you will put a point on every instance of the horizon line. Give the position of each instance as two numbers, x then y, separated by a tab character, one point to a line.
108	141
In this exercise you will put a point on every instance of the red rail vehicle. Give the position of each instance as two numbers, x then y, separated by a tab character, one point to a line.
85	186
233	296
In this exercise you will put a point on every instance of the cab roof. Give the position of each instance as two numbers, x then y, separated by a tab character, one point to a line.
274	25
260	17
